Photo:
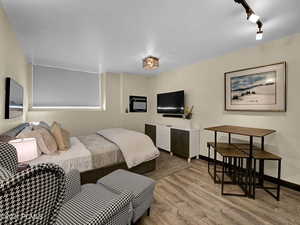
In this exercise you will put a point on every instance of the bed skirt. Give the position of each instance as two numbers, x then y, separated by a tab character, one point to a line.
92	176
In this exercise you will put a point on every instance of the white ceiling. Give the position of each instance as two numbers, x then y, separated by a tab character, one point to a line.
114	35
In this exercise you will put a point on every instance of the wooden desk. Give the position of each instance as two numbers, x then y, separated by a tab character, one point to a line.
244	131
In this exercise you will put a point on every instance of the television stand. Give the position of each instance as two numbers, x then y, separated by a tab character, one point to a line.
173	115
183	142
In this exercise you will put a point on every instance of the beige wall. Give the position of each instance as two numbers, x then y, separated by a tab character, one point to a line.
12	64
204	87
135	85
118	88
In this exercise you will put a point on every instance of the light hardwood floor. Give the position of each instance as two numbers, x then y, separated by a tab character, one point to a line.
188	196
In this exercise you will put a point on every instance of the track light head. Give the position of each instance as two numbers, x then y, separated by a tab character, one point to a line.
252	17
259	35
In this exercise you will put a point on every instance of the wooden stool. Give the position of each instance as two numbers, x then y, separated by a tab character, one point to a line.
232	164
213	162
262	155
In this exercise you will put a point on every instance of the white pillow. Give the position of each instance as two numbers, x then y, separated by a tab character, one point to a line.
26	149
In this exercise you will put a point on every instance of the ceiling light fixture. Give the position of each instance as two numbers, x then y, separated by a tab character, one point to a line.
252	17
150	63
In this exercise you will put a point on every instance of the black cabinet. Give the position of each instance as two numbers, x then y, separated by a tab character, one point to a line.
180	142
150	130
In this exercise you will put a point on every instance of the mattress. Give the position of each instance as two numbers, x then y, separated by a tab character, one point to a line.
86	153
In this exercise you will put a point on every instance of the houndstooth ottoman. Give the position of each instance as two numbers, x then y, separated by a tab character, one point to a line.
142	188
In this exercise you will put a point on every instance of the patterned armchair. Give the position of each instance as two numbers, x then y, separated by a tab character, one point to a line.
33	196
8	158
43	195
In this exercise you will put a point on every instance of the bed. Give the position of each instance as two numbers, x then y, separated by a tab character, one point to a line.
98	154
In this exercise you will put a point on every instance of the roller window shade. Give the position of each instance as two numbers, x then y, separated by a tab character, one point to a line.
53	87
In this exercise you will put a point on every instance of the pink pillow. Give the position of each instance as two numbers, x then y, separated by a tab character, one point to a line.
45	141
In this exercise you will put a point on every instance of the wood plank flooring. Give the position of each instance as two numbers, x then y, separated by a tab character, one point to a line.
188	196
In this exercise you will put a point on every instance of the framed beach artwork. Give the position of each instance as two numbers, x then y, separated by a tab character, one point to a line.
256	89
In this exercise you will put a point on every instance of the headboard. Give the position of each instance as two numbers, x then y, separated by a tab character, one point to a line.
15	131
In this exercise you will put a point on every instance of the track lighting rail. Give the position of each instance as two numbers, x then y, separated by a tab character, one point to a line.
252	17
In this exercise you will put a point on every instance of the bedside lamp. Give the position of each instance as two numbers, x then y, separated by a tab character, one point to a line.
26	149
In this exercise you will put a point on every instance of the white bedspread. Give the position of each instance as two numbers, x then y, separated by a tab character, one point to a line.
77	157
135	146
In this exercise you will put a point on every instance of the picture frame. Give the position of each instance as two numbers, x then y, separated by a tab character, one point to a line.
258	89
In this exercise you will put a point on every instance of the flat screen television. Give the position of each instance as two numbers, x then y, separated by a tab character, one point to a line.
171	103
13	99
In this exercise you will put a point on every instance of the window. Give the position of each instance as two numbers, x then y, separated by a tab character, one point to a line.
60	88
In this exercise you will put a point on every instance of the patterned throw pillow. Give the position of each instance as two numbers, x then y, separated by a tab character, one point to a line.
4	173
